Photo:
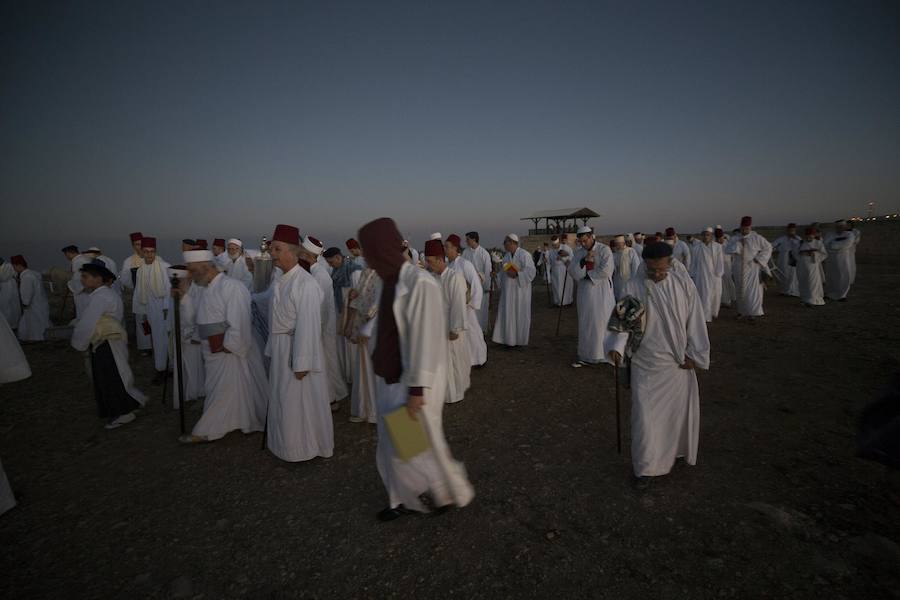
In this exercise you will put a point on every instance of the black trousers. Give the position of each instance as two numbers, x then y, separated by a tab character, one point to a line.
109	391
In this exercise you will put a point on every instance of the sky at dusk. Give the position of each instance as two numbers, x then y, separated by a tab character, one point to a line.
186	119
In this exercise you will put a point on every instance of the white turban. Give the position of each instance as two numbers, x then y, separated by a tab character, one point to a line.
179	273
436	236
236	242
513	237
584	229
195	256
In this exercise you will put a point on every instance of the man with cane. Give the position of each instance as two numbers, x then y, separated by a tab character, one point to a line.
592	267
664	352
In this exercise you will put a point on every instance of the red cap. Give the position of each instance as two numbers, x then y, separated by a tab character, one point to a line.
136	236
220	242
287	234
746	221
650	239
201	244
454	239
351	244
670	231
434	248
811	231
18	259
148	242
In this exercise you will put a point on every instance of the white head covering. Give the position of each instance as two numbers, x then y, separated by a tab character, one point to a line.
179	273
719	227
195	256
513	237
94	249
436	236
236	242
584	229
708	230
310	246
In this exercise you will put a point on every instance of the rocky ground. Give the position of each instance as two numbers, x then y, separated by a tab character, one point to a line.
778	505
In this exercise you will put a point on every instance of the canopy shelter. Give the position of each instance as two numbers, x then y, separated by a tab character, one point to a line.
558	221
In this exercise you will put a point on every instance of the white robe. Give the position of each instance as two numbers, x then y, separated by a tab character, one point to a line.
787	275
10	308
422	328
125	282
362	394
237	391
626	262
74	284
682	253
595	302
809	273
35	319
513	324
729	294
149	303
746	267
474	335
707	268
840	266
559	278
337	384
237	269
665	399
191	347
105	301
458	375
13	367
481	260
299	420
359	260
857	234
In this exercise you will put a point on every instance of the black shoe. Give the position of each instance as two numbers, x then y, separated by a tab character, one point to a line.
392	514
842	300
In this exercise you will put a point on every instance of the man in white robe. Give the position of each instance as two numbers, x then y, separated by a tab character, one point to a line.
35	319
362	321
561	286
809	257
127	281
299	425
783	249
220	254
680	250
356	254
310	250
76	261
453	285
592	267
13	367
100	333
10	307
342	270
94	253
410	361
729	295
150	303
191	348
237	391
474	336
665	396
626	262
513	324
545	263
840	266
857	235
751	253
707	268
236	265
481	260
637	243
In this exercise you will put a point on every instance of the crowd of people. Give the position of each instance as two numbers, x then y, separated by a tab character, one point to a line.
396	333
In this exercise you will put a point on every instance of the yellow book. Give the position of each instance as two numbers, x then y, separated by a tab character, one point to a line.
510	266
407	435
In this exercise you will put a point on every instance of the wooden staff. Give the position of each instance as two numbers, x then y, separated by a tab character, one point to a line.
179	357
491	300
562	298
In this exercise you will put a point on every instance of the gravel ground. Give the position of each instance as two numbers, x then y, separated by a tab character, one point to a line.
777	506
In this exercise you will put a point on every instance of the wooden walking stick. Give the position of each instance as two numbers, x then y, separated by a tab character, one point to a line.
491	300
562	298
179	362
618	408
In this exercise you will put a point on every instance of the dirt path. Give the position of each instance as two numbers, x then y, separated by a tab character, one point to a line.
778	506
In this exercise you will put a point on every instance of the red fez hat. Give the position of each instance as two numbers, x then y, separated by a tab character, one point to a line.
651	239
454	239
201	244
670	231
148	242
18	259
136	236
434	248
351	244
746	221
287	234
811	231
220	242
659	235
